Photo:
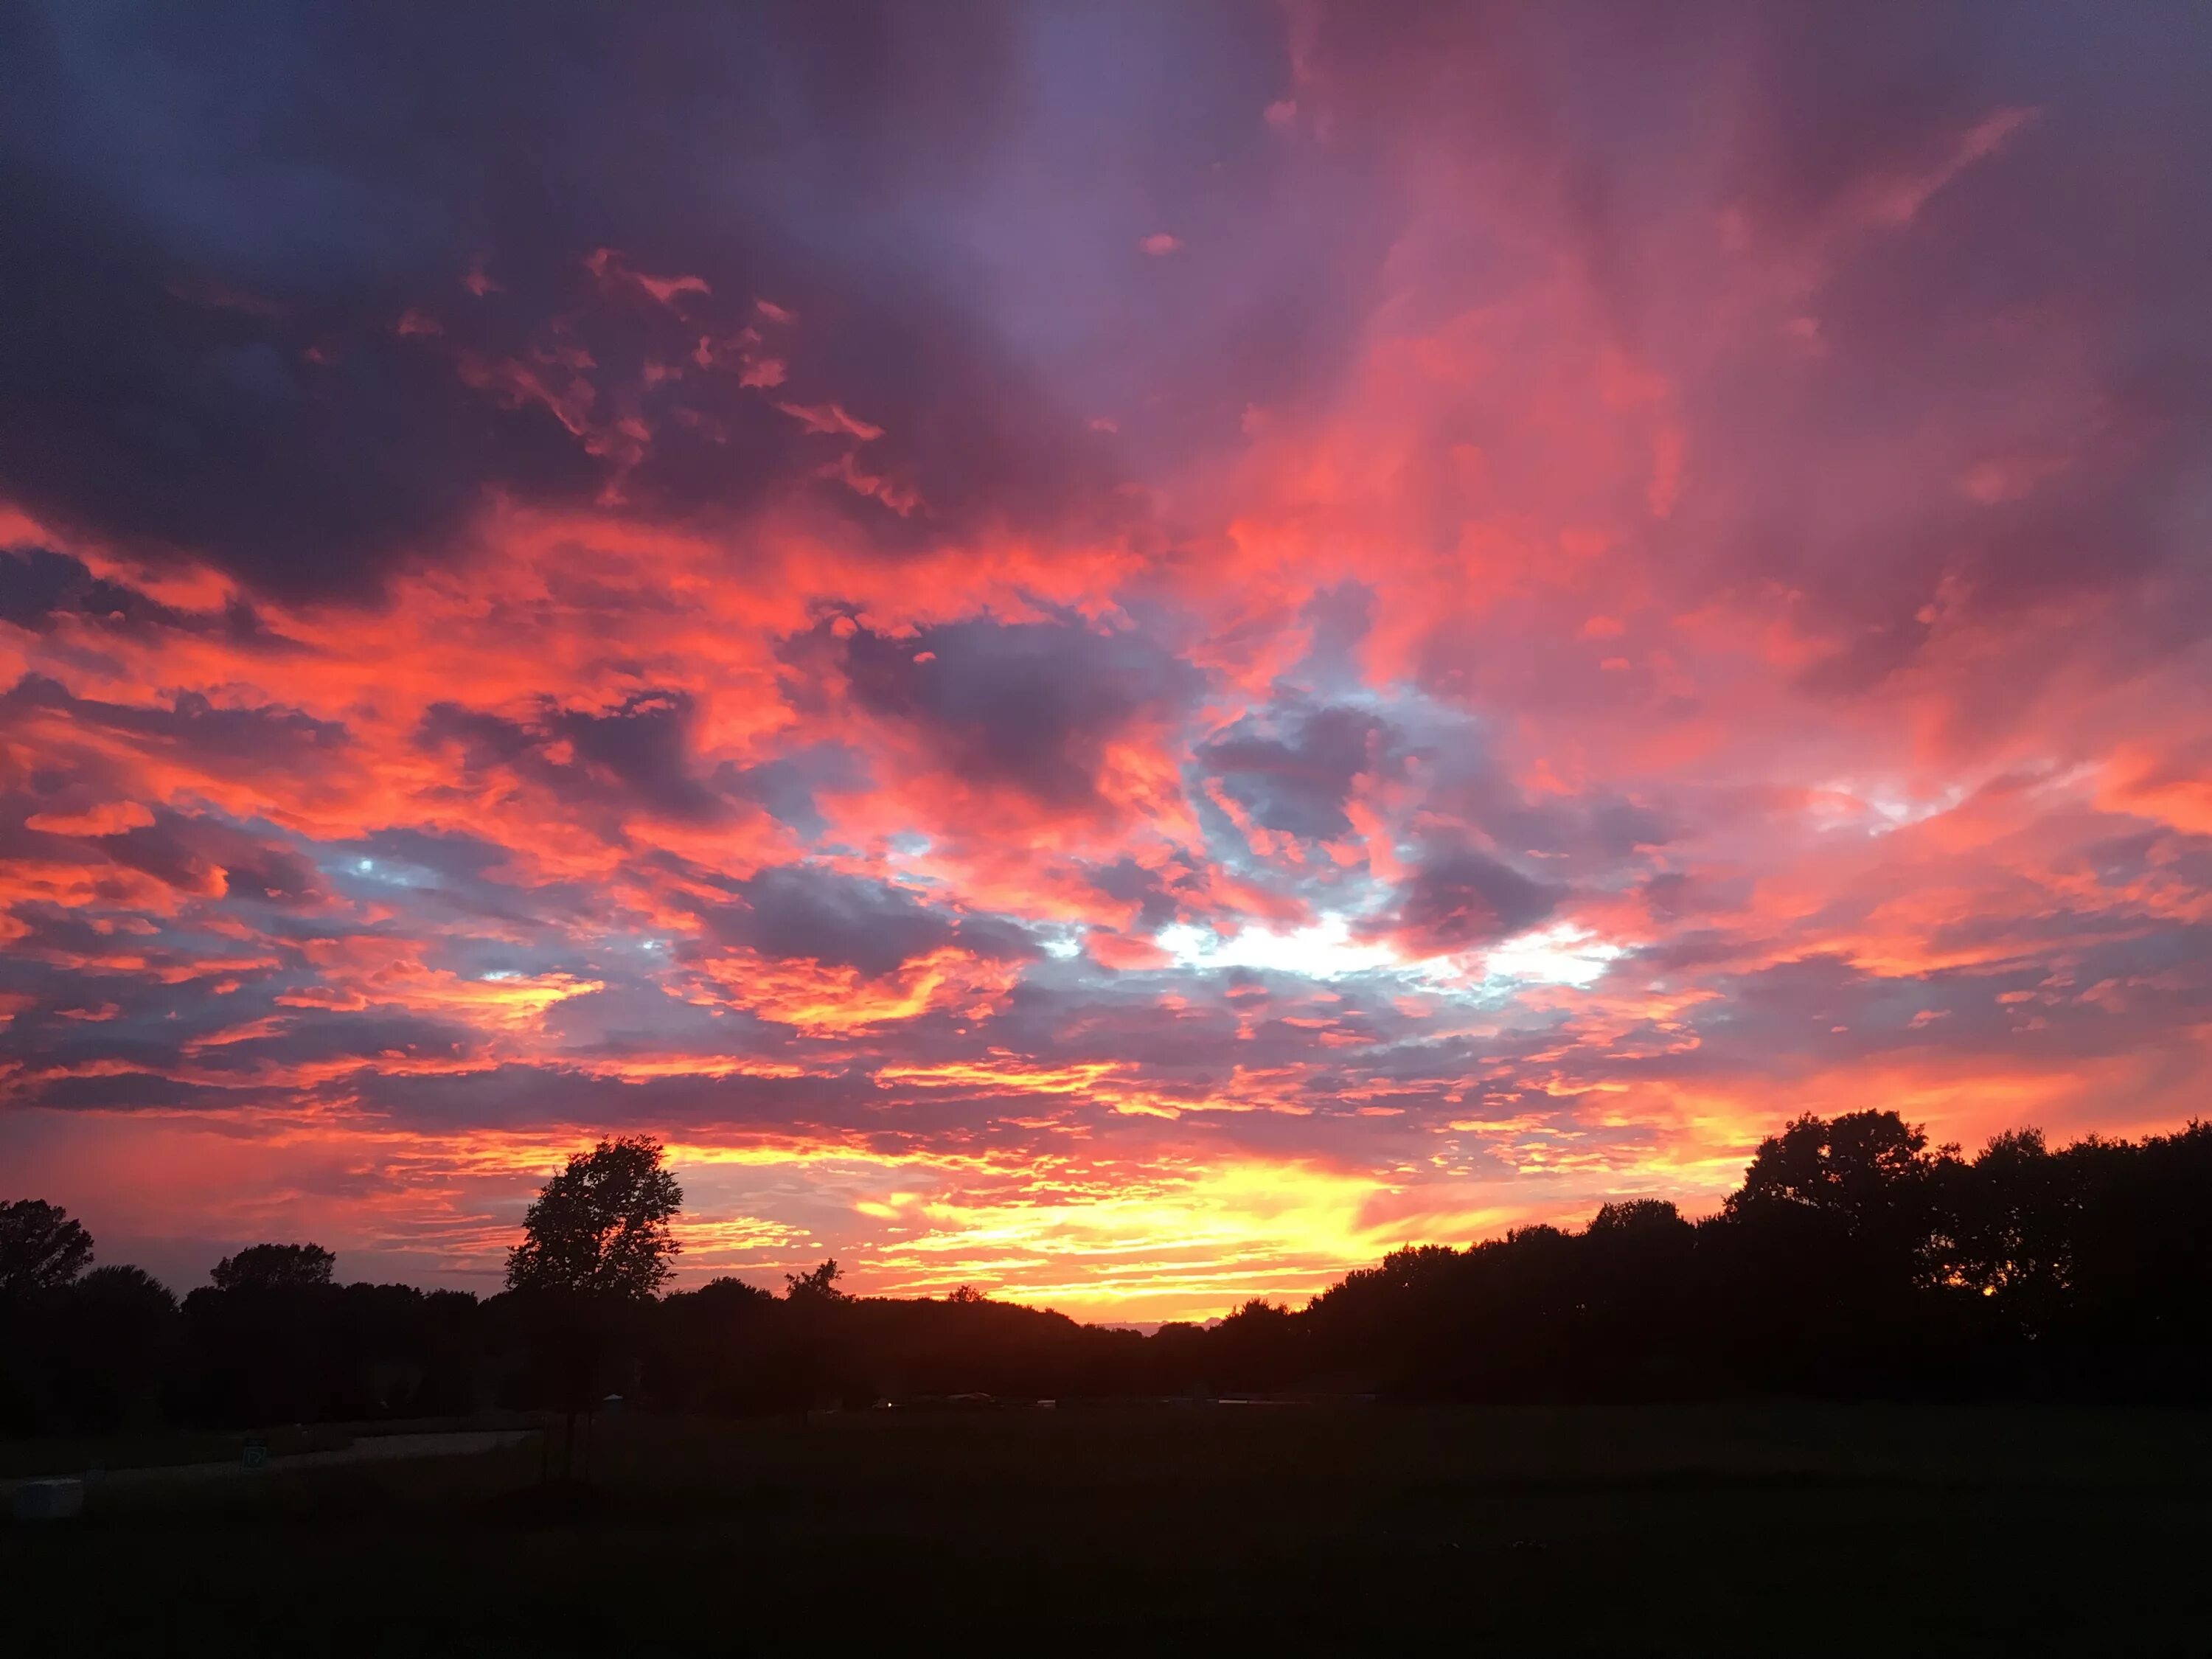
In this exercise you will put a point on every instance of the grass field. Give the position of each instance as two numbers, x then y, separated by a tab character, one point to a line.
1771	1530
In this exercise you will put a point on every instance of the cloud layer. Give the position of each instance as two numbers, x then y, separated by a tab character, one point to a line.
1123	654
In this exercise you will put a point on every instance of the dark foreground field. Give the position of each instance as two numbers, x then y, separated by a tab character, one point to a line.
1769	1529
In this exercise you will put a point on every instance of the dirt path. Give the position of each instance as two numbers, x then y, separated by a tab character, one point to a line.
369	1448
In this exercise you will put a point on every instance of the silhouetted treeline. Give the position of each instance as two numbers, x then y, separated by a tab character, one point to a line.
1854	1259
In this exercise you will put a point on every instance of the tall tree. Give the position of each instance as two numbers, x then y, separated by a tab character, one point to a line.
601	1225
40	1248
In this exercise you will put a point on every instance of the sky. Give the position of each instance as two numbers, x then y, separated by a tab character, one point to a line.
1125	653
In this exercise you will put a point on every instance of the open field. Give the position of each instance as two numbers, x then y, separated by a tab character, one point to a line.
1720	1529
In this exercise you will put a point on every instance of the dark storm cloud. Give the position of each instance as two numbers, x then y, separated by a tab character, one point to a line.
311	1037
39	587
1158	894
193	852
804	911
1298	783
260	737
1592	834
1673	897
140	1091
237	325
293	1038
785	787
447	854
36	585
1065	1017
1030	705
531	1095
165	425
1458	898
459	876
1619	829
635	757
645	744
2121	1000
799	911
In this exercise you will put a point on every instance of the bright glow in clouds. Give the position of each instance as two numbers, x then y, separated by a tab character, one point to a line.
1390	620
1560	955
1325	950
1563	955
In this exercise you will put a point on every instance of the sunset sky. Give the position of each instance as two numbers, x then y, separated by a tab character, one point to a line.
1121	653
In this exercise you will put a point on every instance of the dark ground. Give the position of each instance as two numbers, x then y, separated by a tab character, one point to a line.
1756	1529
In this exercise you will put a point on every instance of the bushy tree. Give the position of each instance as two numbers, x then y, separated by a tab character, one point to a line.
2009	1220
40	1248
1638	1218
1862	1167
601	1227
275	1268
725	1291
1257	1345
817	1285
113	1332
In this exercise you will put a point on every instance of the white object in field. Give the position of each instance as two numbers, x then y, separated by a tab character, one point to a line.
49	1500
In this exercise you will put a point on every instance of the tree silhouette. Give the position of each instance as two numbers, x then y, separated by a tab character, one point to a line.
2009	1220
1645	1218
112	1335
1867	1175
40	1248
1257	1345
274	1267
1856	1259
818	1285
601	1227
1857	1166
727	1291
